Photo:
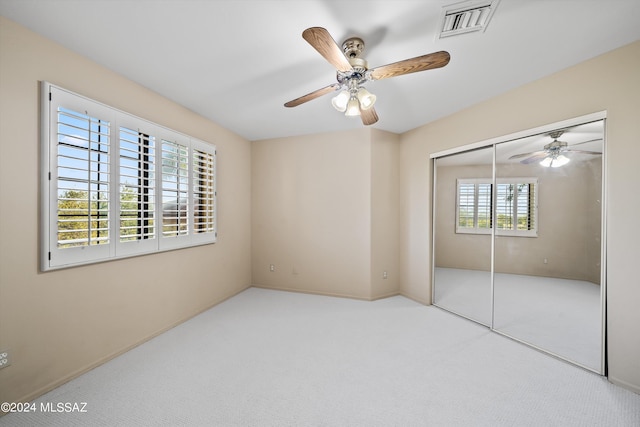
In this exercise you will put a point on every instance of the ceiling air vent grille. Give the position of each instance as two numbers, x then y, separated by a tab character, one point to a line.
466	17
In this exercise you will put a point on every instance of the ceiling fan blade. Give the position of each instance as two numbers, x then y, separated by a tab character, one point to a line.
519	156
322	41
313	95
535	158
413	65
594	153
586	142
368	116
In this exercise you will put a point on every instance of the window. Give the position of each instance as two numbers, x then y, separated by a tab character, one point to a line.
119	186
175	189
515	206
83	163
474	206
203	191
137	186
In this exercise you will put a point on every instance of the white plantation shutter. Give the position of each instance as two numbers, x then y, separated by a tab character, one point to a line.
525	220
188	192
516	209
83	179
79	180
137	185
483	206
504	206
137	228
118	185
466	205
204	190
474	206
175	189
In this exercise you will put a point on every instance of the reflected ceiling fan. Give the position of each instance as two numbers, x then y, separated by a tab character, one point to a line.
353	72
553	154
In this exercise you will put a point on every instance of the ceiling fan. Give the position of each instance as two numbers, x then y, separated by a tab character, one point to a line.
353	72
553	154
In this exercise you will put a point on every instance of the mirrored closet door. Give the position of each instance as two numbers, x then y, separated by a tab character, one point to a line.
462	234
538	253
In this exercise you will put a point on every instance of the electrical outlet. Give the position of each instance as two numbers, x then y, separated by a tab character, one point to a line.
384	275
4	359
272	268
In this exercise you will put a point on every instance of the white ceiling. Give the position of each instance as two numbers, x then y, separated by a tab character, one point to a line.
237	62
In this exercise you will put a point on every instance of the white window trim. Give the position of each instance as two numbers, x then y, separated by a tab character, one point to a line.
511	180
53	257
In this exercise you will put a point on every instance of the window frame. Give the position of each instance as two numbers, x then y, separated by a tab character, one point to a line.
55	257
533	210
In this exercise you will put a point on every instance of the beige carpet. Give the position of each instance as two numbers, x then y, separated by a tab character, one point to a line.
270	358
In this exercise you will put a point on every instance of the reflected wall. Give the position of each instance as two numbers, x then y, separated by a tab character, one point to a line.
462	264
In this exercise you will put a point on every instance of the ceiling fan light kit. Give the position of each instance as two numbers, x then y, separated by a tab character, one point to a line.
340	101
354	99
366	98
353	107
353	73
555	161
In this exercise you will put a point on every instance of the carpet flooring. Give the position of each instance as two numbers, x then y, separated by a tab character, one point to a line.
272	358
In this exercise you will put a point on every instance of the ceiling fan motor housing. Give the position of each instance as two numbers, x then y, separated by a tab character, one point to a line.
555	146
357	75
353	47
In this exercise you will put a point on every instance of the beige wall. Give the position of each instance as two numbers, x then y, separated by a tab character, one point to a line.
61	323
385	211
310	213
325	213
609	82
568	224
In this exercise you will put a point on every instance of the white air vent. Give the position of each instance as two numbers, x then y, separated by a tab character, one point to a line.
466	17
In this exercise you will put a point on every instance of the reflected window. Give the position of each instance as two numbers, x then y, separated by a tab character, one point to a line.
515	202
474	206
515	207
